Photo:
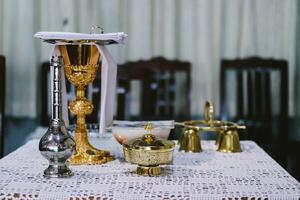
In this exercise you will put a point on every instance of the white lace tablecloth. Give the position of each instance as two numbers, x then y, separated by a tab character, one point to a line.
205	175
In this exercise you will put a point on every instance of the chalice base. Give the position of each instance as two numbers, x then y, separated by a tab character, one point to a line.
87	154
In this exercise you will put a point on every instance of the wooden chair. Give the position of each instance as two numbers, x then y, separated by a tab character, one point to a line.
2	103
159	84
254	102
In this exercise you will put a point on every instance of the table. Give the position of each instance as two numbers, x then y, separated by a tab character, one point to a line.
206	175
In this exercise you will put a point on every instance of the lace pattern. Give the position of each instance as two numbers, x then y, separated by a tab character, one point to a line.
205	175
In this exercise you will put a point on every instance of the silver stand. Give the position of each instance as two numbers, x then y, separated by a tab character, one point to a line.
57	145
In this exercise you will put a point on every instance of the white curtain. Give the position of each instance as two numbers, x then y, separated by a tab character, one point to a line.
201	32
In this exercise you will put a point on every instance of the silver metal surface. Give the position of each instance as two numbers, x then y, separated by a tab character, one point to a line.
96	28
75	41
57	145
56	62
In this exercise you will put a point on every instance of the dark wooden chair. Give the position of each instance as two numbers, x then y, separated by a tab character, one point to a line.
159	83
2	101
125	75
44	105
255	99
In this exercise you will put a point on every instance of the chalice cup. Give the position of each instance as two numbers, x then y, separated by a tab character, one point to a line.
81	63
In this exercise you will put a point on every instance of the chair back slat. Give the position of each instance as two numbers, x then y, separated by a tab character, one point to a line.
2	103
258	95
172	91
240	94
267	93
159	95
259	113
44	80
250	96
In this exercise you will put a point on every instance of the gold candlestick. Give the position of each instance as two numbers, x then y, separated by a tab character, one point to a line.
81	63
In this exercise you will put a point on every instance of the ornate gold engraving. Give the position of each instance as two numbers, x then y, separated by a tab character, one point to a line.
81	63
148	152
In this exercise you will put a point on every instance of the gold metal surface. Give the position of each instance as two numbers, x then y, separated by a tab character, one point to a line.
229	142
81	63
148	171
227	133
220	135
202	125
189	140
209	113
148	152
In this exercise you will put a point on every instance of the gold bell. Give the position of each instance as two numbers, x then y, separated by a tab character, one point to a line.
189	140
228	141
220	135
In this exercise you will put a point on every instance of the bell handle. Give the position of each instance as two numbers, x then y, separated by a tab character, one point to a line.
209	113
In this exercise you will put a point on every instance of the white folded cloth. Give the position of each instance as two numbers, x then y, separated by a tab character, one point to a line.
117	37
108	70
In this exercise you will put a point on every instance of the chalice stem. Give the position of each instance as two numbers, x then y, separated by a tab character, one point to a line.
80	93
85	152
81	136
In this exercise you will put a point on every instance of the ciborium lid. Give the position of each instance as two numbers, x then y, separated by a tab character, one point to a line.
149	142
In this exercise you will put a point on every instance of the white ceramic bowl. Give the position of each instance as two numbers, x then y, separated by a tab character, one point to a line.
126	132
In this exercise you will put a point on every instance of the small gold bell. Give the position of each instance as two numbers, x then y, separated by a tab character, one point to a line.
189	140
228	141
220	135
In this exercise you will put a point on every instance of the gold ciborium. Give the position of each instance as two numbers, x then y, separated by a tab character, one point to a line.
148	152
81	63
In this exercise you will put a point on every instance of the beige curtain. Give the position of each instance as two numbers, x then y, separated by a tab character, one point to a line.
201	32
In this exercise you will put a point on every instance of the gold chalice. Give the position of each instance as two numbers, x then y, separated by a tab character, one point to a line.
81	63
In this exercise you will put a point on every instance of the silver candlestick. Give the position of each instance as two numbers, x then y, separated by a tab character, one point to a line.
57	145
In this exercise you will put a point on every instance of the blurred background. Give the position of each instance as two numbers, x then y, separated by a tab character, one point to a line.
241	55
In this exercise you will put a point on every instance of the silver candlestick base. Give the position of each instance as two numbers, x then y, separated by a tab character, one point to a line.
57	145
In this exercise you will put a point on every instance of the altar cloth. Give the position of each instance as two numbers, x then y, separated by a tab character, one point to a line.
206	175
